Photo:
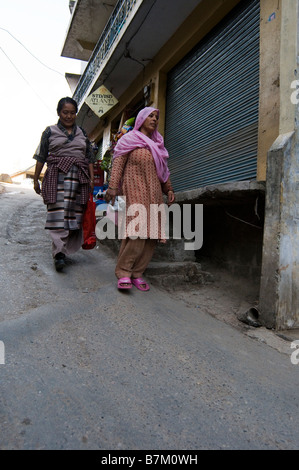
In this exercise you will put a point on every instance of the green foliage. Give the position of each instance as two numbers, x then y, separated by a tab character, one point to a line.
106	161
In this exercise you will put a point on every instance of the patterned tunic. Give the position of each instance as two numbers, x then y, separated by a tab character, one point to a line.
136	172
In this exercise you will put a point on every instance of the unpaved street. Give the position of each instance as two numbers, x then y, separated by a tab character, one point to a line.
88	367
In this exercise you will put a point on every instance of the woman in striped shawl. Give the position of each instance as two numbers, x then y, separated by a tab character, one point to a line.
68	180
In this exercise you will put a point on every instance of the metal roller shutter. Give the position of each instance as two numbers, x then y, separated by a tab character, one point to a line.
212	104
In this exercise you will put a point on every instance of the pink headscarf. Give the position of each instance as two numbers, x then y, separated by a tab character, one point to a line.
136	139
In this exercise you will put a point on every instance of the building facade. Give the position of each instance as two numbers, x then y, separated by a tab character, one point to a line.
221	74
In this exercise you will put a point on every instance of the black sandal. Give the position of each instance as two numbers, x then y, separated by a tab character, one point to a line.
59	261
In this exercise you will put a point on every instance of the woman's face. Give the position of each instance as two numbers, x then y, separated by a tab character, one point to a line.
67	115
150	124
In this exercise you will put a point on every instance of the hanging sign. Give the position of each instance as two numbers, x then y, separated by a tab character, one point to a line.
101	101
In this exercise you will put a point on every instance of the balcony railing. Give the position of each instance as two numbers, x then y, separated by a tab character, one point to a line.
107	39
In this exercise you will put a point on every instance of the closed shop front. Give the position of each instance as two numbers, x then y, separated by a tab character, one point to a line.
212	104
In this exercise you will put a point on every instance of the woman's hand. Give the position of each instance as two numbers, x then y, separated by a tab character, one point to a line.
36	187
111	195
91	186
170	197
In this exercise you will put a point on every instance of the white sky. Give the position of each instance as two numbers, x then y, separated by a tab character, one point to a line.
28	102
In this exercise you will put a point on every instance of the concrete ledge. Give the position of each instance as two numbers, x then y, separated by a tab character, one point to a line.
171	274
240	190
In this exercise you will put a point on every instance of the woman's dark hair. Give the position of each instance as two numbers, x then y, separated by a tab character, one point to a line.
65	100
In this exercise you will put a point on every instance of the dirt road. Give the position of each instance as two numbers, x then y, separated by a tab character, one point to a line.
88	367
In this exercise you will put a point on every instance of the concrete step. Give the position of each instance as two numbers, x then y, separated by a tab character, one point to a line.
174	273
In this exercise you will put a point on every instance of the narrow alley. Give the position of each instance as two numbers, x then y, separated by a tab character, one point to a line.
89	367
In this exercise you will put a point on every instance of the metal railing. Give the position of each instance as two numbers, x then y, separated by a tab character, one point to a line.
107	39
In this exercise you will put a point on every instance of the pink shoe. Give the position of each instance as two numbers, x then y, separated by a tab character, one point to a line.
124	283
140	284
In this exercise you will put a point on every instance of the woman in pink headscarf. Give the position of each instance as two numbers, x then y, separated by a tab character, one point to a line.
140	173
